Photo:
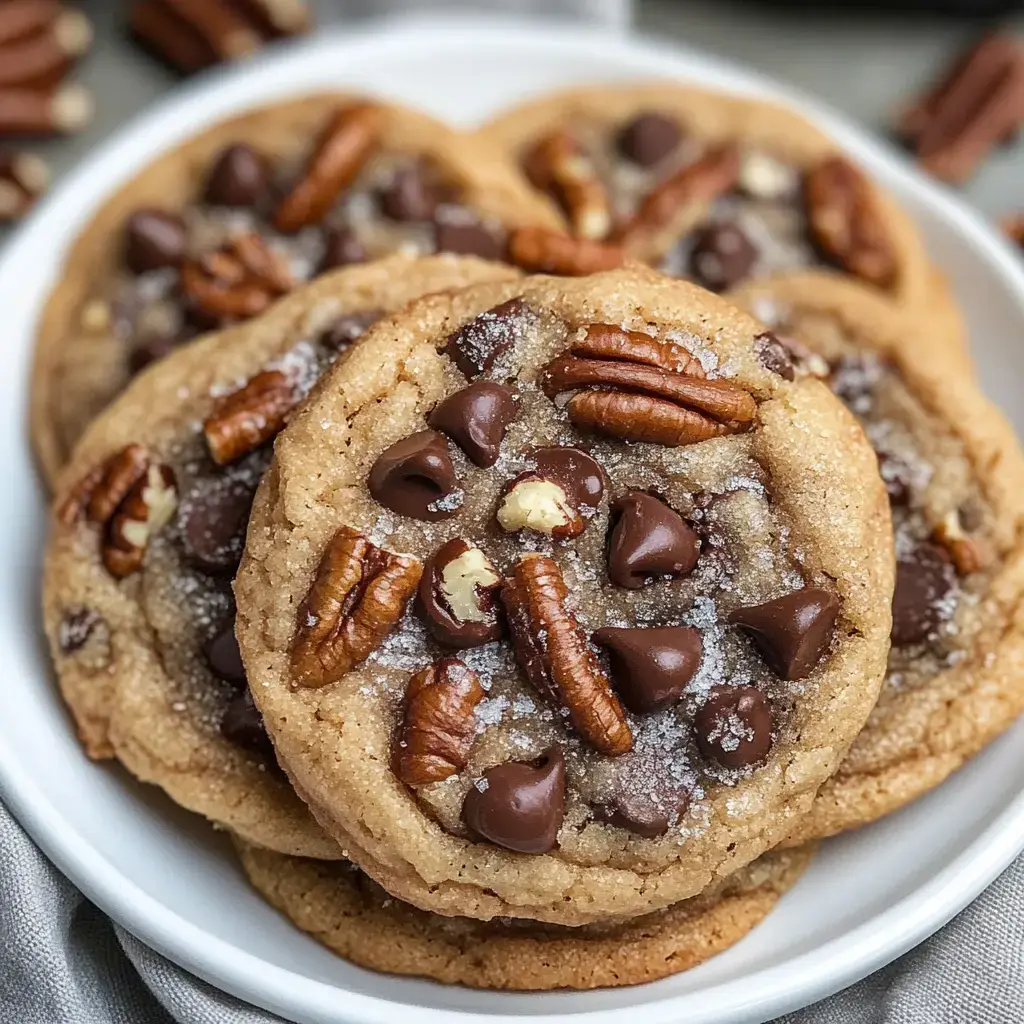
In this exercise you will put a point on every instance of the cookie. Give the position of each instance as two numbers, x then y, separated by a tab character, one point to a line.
553	468
955	476
714	187
342	908
215	230
151	515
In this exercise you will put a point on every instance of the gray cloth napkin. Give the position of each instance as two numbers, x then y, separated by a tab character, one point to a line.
64	962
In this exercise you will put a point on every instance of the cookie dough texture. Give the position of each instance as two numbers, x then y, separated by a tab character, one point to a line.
78	368
917	736
343	909
334	741
126	688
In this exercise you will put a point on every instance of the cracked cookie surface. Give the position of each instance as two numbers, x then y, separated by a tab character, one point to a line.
685	555
955	476
137	578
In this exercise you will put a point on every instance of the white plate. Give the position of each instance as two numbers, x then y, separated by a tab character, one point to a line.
168	879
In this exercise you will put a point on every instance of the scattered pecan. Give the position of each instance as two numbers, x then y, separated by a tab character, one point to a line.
148	506
359	593
978	104
553	654
23	178
439	726
39	41
636	399
249	417
968	554
702	181
845	222
103	488
351	139
237	281
558	165
544	251
1013	227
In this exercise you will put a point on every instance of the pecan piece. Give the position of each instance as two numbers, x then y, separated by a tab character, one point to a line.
544	251
249	417
148	506
845	223
968	554
704	180
359	593
631	391
558	165
350	140
237	281
553	654
439	724
103	488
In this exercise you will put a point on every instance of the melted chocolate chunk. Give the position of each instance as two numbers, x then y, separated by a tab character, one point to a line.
468	238
149	350
238	178
648	541
478	345
341	249
924	580
212	517
242	725
348	328
415	477
791	632
651	667
75	629
774	356
734	727
896	476
478	624
649	138
476	419
721	257
646	814
519	806
223	656
153	239
409	197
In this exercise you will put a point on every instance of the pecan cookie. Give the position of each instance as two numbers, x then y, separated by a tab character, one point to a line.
560	601
955	477
151	516
214	231
716	188
345	910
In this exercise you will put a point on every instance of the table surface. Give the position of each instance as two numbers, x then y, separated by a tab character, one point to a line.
864	64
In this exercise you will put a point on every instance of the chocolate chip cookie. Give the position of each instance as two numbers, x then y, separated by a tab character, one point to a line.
560	600
345	910
955	477
716	188
214	231
150	519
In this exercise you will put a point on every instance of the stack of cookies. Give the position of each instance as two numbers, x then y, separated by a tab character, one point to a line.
526	544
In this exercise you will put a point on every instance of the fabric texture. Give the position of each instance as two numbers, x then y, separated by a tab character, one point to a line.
64	962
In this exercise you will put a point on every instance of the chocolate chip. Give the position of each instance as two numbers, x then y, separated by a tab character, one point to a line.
773	355
519	806
896	476
651	667
75	629
153	239
579	475
239	177
649	541
341	249
409	197
415	477
478	345
348	328
149	350
649	138
460	612
791	632
721	257
853	379
734	727
924	579
223	655
468	238
213	516
242	725
476	419
645	814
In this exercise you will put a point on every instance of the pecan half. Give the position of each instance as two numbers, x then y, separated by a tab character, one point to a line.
968	554
438	726
638	399
557	164
237	281
104	487
607	341
148	506
359	593
702	181
553	654
845	223
350	140
249	417
544	251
